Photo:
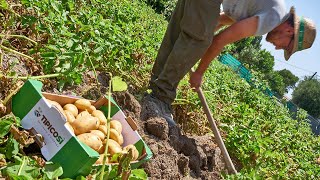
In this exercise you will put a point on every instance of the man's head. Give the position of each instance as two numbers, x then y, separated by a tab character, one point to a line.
292	35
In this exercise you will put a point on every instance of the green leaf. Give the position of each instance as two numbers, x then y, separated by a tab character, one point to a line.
12	148
16	177
53	47
28	20
80	178
54	6
4	127
22	170
98	50
138	174
70	43
52	170
118	84
3	4
115	157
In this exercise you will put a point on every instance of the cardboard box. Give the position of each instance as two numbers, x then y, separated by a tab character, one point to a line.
59	144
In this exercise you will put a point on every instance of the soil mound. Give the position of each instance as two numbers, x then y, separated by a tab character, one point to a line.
175	155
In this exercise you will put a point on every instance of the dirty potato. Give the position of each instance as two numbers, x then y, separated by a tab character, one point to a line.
99	114
85	124
115	124
134	152
91	140
72	108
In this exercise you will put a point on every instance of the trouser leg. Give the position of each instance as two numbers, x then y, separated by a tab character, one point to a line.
197	27
169	39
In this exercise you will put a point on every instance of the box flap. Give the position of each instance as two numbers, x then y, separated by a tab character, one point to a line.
24	100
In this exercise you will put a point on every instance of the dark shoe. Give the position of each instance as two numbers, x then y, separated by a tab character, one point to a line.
154	107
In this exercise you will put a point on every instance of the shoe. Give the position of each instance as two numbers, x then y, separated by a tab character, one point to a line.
154	107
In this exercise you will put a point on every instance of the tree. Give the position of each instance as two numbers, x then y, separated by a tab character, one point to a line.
256	59
275	82
289	79
307	96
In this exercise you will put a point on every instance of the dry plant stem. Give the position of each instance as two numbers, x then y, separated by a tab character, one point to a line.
16	52
108	134
19	36
12	11
30	77
5	101
1	59
96	76
182	101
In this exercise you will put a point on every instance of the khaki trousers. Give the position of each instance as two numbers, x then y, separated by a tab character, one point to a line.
188	36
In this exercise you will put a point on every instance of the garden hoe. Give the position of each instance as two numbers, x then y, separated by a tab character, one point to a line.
216	133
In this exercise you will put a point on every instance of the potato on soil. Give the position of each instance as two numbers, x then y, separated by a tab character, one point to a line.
82	104
115	124
69	116
91	140
99	114
134	152
100	134
116	136
72	108
85	124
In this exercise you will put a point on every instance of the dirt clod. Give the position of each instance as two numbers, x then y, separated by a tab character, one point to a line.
158	127
183	164
177	155
128	102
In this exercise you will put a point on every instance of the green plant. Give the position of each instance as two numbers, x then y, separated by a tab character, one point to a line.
80	36
259	131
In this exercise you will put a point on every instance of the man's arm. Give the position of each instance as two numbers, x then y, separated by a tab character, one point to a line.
224	20
233	33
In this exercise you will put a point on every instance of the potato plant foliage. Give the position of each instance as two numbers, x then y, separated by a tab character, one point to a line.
259	130
107	35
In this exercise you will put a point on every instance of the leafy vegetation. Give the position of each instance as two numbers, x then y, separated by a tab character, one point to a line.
14	163
259	130
101	35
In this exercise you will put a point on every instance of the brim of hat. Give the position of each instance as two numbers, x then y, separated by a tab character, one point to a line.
296	25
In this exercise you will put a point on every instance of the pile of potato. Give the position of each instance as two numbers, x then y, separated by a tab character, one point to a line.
90	127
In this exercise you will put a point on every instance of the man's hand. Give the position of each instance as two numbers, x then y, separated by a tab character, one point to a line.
239	30
195	80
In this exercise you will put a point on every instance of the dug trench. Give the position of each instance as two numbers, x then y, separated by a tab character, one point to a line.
176	155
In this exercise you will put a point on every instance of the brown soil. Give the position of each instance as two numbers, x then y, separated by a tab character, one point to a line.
175	154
